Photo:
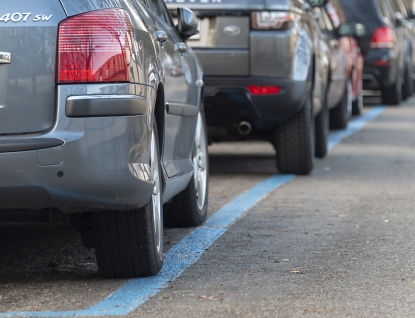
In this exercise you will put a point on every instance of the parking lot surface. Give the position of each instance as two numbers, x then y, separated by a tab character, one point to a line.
336	243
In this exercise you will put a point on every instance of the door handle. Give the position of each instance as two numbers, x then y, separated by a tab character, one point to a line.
160	36
182	47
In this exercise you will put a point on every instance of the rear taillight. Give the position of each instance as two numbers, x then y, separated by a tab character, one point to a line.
263	90
382	38
271	20
95	47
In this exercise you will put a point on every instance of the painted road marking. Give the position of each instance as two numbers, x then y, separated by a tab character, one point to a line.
136	292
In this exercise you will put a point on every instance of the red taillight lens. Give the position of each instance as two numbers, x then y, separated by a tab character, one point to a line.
95	47
263	90
270	20
382	38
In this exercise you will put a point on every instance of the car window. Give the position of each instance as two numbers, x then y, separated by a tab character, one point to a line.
167	14
160	9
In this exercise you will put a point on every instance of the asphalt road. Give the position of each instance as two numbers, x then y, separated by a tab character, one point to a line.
337	243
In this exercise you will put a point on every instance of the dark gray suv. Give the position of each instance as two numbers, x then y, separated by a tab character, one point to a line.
265	75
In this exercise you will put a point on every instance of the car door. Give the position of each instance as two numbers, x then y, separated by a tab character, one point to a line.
338	60
399	7
388	13
179	120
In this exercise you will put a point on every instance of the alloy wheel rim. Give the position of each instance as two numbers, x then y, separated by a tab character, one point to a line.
200	164
156	196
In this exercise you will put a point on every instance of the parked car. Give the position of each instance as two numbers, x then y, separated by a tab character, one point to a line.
345	94
404	16
265	75
95	127
387	64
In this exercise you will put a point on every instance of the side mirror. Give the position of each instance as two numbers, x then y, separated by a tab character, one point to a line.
317	3
187	23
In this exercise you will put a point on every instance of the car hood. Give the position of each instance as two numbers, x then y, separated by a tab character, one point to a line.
231	4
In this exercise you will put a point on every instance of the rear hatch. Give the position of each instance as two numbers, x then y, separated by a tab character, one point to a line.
367	12
223	43
28	33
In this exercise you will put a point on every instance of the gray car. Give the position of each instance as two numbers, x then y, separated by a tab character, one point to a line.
266	75
101	123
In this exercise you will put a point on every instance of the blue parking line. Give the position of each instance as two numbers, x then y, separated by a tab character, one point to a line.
136	292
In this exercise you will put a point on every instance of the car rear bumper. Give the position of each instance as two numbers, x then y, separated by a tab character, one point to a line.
228	102
381	69
84	163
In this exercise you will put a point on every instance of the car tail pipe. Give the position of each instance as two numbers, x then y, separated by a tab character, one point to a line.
244	128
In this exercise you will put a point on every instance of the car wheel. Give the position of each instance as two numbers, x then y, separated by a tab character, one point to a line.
130	243
322	131
357	105
392	95
295	142
339	115
189	207
408	84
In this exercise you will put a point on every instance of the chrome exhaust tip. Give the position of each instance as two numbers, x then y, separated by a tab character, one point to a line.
244	128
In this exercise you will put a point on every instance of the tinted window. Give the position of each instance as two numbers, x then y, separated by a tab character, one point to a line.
166	12
160	9
364	11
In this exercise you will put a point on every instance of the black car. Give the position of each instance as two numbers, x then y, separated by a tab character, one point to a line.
388	65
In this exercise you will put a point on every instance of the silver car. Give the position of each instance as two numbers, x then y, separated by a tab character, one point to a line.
101	123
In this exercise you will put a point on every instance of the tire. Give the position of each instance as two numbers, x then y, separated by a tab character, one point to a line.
295	142
392	95
408	85
189	207
130	243
339	115
322	131
357	105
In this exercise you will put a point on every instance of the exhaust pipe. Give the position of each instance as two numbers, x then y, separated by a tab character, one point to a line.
244	128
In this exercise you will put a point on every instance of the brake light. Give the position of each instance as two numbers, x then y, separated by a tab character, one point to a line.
95	47
263	90
270	20
382	38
